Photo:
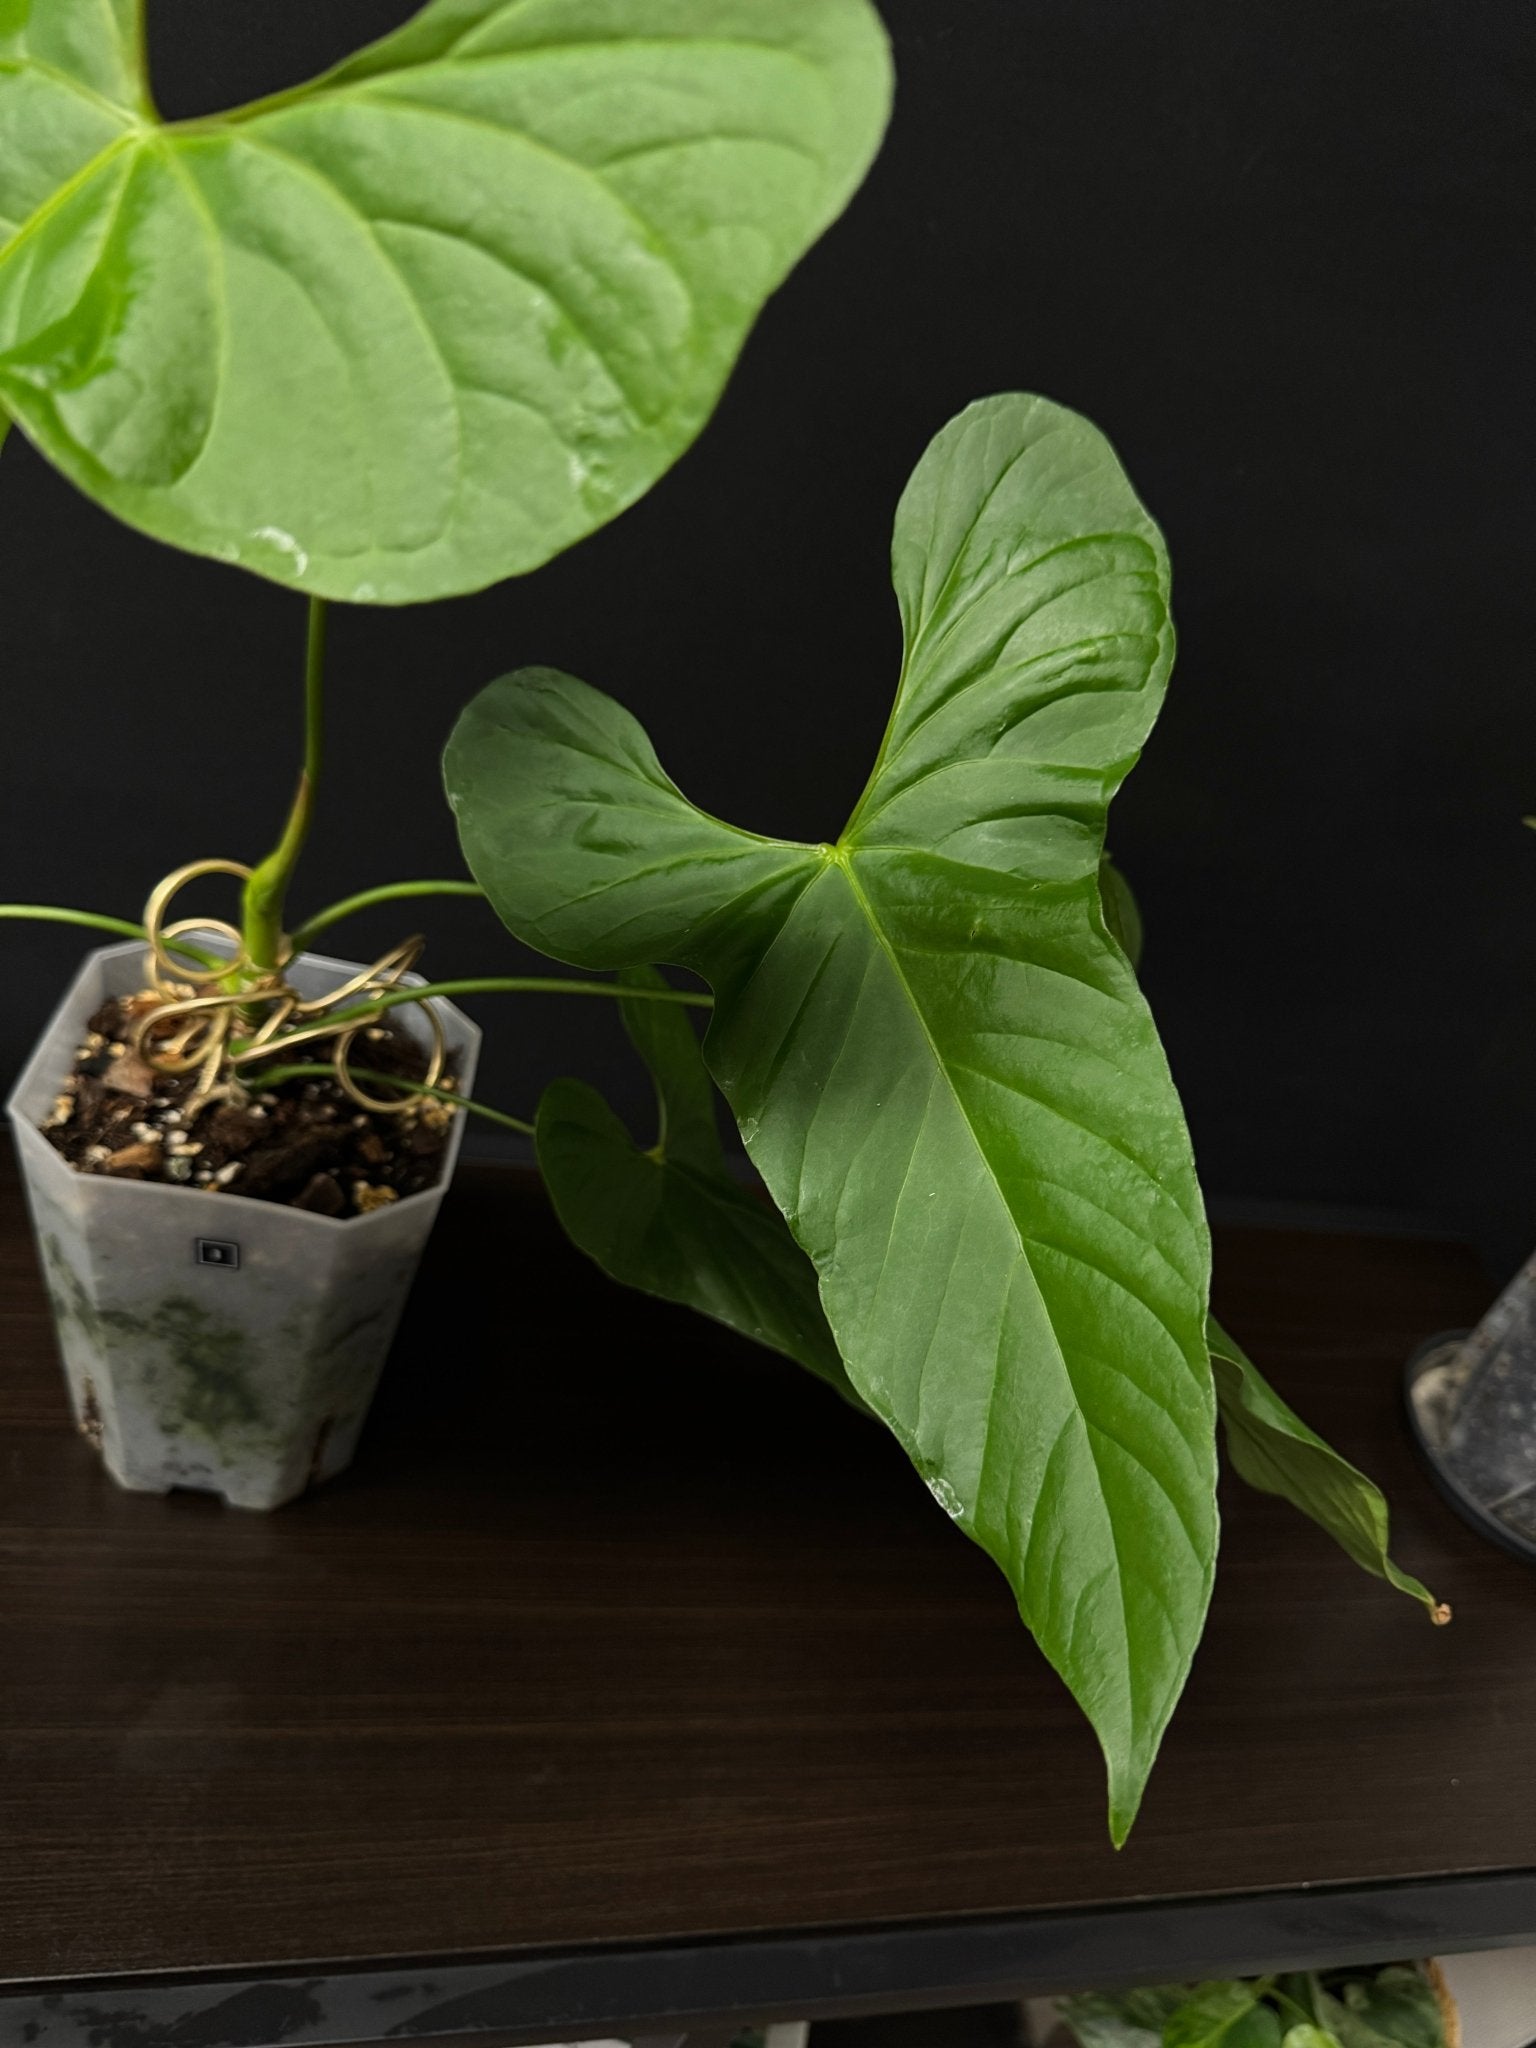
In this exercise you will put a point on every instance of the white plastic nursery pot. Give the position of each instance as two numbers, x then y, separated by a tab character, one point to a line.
211	1341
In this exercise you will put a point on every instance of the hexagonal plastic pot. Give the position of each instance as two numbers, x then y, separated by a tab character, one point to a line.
211	1341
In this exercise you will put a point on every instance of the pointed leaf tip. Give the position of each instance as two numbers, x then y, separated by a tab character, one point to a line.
1274	1450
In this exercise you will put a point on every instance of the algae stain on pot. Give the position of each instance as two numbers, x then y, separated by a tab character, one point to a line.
211	1360
200	1369
72	1303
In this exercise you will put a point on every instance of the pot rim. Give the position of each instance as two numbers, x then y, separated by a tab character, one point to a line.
464	1035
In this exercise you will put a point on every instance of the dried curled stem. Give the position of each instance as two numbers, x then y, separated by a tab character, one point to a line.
255	1011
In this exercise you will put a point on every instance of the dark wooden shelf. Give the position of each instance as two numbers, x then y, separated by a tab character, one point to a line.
628	1674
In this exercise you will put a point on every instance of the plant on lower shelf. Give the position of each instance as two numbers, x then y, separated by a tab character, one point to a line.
1403	2005
941	1064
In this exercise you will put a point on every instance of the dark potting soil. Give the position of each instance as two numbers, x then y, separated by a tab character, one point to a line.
305	1142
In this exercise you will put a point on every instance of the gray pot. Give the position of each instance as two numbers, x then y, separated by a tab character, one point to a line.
211	1341
1472	1405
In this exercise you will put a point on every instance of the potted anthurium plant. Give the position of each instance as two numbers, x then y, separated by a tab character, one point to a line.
421	324
989	1232
390	335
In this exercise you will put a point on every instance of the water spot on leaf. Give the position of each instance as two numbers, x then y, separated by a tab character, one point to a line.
279	538
945	1495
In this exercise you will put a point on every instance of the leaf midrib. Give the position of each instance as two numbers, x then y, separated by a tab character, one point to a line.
845	861
335	83
131	140
1078	1414
77	86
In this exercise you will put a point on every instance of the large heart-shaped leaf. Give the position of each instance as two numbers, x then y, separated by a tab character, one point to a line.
1273	1449
938	1056
669	1218
429	319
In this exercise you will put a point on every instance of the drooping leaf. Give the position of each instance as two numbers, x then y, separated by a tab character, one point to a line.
427	320
670	1219
939	1060
1269	1444
1273	1449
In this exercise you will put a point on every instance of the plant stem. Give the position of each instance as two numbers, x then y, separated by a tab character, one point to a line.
54	914
530	985
266	893
269	1077
365	900
524	985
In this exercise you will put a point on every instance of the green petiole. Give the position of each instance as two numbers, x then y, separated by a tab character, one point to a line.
532	985
389	892
53	913
269	1077
122	927
266	892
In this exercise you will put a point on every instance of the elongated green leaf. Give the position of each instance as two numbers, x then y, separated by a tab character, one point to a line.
426	321
670	1220
1273	1449
939	1059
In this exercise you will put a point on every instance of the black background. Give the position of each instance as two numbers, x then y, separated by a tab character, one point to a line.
1282	252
